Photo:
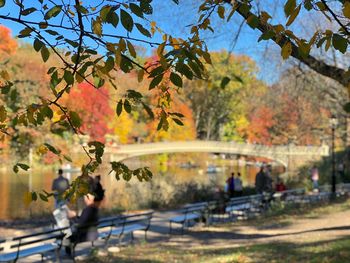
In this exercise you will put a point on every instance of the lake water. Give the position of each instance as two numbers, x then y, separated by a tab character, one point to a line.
170	187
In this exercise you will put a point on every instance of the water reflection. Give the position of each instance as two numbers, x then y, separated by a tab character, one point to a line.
172	185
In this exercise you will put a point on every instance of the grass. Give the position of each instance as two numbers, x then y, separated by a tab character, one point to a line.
288	250
329	251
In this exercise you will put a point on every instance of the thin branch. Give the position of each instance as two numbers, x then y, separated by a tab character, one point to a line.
335	17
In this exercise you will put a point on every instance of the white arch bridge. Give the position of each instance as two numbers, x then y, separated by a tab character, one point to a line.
286	155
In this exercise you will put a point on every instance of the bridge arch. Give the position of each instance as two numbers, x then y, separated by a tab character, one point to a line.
280	154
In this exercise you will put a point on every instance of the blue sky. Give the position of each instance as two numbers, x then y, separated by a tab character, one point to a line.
175	19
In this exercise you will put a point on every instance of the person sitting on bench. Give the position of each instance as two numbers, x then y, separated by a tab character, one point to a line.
84	227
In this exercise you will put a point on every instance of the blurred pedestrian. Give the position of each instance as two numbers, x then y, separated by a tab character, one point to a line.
59	186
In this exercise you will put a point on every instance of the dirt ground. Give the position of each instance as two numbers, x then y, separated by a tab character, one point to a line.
296	229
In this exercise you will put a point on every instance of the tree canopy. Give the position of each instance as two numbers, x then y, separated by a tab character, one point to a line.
89	44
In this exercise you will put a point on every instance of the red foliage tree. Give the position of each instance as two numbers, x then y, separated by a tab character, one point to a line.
93	107
260	121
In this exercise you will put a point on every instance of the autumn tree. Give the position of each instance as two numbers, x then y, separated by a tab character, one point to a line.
219	104
92	40
92	105
7	44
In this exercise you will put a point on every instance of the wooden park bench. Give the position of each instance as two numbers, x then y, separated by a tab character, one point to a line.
294	195
39	243
189	213
241	206
123	225
118	226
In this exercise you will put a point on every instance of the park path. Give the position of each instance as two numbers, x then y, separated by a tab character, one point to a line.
300	230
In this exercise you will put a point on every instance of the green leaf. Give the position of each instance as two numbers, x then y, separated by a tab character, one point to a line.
224	82
15	168
253	21
136	10
339	43
127	106
143	30
2	3
67	158
53	12
75	119
23	166
148	110
178	122
160	124
119	107
37	45
131	49
267	35
112	18
72	43
346	107
308	5
52	149
46	111
68	77
51	32
133	94
43	197
176	79
146	7
109	65
155	81
25	32
184	70
34	196
28	11
45	54
126	19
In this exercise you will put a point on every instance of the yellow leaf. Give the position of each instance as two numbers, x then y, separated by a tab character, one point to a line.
42	149
57	116
286	50
279	28
221	11
110	47
153	24
5	75
293	15
79	78
97	27
264	16
160	49
118	56
346	9
165	37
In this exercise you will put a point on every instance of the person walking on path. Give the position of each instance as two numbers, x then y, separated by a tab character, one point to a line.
230	183
260	181
238	191
314	178
59	186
